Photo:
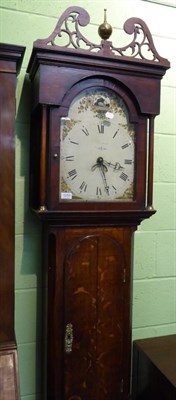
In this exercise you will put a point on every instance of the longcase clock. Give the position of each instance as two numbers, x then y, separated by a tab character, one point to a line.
92	128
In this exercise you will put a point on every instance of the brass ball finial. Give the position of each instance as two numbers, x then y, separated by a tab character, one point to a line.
105	29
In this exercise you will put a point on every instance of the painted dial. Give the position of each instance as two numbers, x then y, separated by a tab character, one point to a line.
97	149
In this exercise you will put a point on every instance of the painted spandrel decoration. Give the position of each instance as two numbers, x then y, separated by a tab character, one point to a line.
67	30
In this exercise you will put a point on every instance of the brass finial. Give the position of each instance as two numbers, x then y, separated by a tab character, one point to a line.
105	29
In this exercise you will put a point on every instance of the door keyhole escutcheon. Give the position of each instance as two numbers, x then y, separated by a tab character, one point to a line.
68	338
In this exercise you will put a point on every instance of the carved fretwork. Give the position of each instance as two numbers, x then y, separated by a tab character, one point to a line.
67	30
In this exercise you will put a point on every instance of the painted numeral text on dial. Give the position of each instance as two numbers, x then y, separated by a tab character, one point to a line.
115	133
83	186
71	141
101	128
72	174
129	162
123	176
98	191
69	158
125	145
85	131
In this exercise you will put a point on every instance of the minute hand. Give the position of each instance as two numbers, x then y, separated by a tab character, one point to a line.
116	166
102	169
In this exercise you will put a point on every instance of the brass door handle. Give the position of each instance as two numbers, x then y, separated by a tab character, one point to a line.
68	338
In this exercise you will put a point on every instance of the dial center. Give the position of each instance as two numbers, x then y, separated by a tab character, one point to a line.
100	160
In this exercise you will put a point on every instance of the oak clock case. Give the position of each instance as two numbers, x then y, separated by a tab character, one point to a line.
92	132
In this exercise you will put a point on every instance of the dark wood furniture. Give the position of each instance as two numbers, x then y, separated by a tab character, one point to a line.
88	243
154	368
10	62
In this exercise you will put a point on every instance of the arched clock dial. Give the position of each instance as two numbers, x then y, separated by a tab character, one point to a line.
97	149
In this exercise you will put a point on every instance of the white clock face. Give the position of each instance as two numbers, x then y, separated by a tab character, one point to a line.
97	149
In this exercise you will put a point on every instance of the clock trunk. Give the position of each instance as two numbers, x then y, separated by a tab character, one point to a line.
89	313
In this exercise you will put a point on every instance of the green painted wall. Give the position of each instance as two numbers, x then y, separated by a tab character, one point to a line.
154	297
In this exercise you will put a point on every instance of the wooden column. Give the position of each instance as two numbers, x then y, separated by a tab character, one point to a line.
10	62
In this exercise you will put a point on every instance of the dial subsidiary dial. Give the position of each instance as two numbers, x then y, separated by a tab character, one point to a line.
97	154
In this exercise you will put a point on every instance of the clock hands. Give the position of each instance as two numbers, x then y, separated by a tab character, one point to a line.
103	165
102	168
101	162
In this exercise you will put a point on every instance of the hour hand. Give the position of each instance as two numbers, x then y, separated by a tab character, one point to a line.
116	166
